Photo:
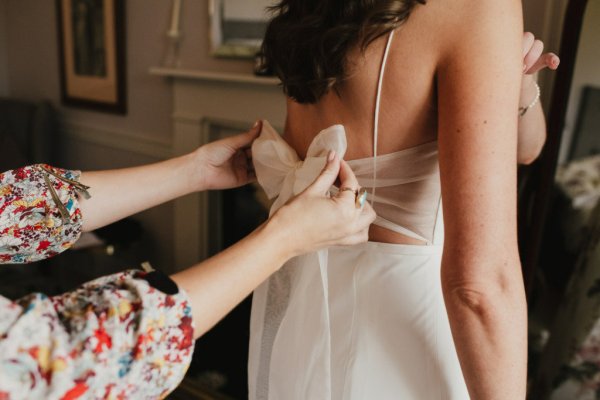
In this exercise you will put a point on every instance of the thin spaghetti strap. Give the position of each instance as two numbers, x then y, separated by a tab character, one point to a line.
376	117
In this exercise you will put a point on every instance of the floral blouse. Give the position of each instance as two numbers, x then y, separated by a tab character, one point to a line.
118	337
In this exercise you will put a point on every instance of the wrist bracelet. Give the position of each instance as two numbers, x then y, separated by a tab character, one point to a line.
523	110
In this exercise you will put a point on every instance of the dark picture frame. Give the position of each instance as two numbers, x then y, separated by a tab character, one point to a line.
91	38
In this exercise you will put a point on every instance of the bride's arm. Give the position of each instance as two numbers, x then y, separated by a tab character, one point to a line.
478	76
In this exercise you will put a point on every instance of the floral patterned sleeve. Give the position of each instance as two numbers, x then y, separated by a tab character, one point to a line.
117	337
128	335
39	213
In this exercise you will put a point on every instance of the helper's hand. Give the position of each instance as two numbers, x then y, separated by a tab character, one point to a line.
313	220
225	163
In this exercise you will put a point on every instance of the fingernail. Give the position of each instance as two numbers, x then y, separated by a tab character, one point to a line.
331	155
255	124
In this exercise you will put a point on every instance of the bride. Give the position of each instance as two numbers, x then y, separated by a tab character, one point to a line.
422	98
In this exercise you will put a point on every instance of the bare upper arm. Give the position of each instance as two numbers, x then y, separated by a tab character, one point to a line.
478	89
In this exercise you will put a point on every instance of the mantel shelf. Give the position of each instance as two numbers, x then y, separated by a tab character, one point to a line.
214	76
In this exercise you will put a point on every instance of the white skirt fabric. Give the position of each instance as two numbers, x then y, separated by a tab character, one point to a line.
365	322
389	336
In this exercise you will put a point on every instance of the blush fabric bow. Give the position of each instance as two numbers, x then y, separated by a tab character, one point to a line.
280	171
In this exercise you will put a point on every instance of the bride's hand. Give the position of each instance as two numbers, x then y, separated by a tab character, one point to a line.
534	60
313	220
225	163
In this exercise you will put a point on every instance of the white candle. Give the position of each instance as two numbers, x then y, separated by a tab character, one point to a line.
174	30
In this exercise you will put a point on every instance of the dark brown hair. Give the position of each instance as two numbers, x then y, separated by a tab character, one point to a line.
306	42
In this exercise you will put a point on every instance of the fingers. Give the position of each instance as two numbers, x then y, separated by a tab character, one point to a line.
254	131
540	64
245	139
368	215
327	177
548	60
364	221
534	54
250	166
528	39
243	168
533	58
553	61
357	238
347	180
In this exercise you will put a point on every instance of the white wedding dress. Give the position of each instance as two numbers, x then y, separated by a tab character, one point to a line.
359	322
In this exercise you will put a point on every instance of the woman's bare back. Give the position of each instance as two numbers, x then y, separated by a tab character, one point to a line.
408	113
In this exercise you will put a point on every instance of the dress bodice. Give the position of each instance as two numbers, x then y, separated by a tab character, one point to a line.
406	187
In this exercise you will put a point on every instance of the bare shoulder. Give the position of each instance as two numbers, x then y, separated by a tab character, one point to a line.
462	23
458	13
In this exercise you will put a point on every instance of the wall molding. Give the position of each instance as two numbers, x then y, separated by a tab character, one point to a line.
133	143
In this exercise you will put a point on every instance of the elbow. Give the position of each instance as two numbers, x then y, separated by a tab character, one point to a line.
527	158
486	298
474	301
529	151
486	305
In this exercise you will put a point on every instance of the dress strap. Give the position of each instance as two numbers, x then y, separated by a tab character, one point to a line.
377	106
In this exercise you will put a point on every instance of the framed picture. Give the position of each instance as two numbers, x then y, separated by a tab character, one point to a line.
237	27
91	36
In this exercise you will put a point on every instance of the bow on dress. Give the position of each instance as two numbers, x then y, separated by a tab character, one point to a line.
280	171
304	334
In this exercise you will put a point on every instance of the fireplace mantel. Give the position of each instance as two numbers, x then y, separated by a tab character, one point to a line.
199	74
204	102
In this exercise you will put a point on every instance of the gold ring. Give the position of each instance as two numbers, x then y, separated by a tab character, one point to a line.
355	191
361	198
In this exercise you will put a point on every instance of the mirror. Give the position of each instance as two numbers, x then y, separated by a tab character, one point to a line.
237	27
577	181
537	182
565	303
581	136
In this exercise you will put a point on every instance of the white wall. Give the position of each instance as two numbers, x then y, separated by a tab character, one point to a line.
97	140
33	61
587	71
3	47
249	10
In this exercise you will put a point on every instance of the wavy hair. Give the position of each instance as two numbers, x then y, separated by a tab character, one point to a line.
306	41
